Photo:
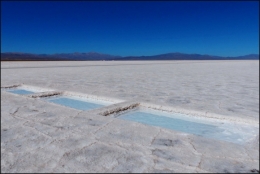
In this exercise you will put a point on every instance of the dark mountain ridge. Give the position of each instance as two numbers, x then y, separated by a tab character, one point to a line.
93	56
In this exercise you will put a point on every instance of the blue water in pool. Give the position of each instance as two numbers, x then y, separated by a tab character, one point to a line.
200	129
21	91
76	104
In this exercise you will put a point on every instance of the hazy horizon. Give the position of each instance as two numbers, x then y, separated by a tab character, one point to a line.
94	52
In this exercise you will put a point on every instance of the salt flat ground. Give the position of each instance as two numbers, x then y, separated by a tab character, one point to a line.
43	137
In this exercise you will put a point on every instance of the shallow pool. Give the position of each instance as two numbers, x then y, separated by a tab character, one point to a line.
21	91
74	103
218	130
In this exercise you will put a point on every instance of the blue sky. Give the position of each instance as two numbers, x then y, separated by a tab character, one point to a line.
131	28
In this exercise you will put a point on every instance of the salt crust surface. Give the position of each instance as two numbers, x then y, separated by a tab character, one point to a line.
37	136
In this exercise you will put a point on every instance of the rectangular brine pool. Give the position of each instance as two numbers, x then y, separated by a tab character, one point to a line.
77	102
23	90
204	127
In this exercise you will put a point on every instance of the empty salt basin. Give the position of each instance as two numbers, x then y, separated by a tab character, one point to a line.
78	102
208	128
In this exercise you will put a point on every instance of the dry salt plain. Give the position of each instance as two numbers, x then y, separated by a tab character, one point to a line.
41	136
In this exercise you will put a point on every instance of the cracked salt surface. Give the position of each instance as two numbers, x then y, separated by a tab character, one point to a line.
77	102
37	136
209	128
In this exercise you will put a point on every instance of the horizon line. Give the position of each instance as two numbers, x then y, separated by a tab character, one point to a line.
125	56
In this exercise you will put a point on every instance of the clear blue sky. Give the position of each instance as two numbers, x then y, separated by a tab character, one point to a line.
131	28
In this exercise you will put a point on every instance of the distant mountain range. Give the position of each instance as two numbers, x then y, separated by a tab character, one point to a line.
93	56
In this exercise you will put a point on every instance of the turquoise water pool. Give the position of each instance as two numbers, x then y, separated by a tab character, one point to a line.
73	103
21	91
182	125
